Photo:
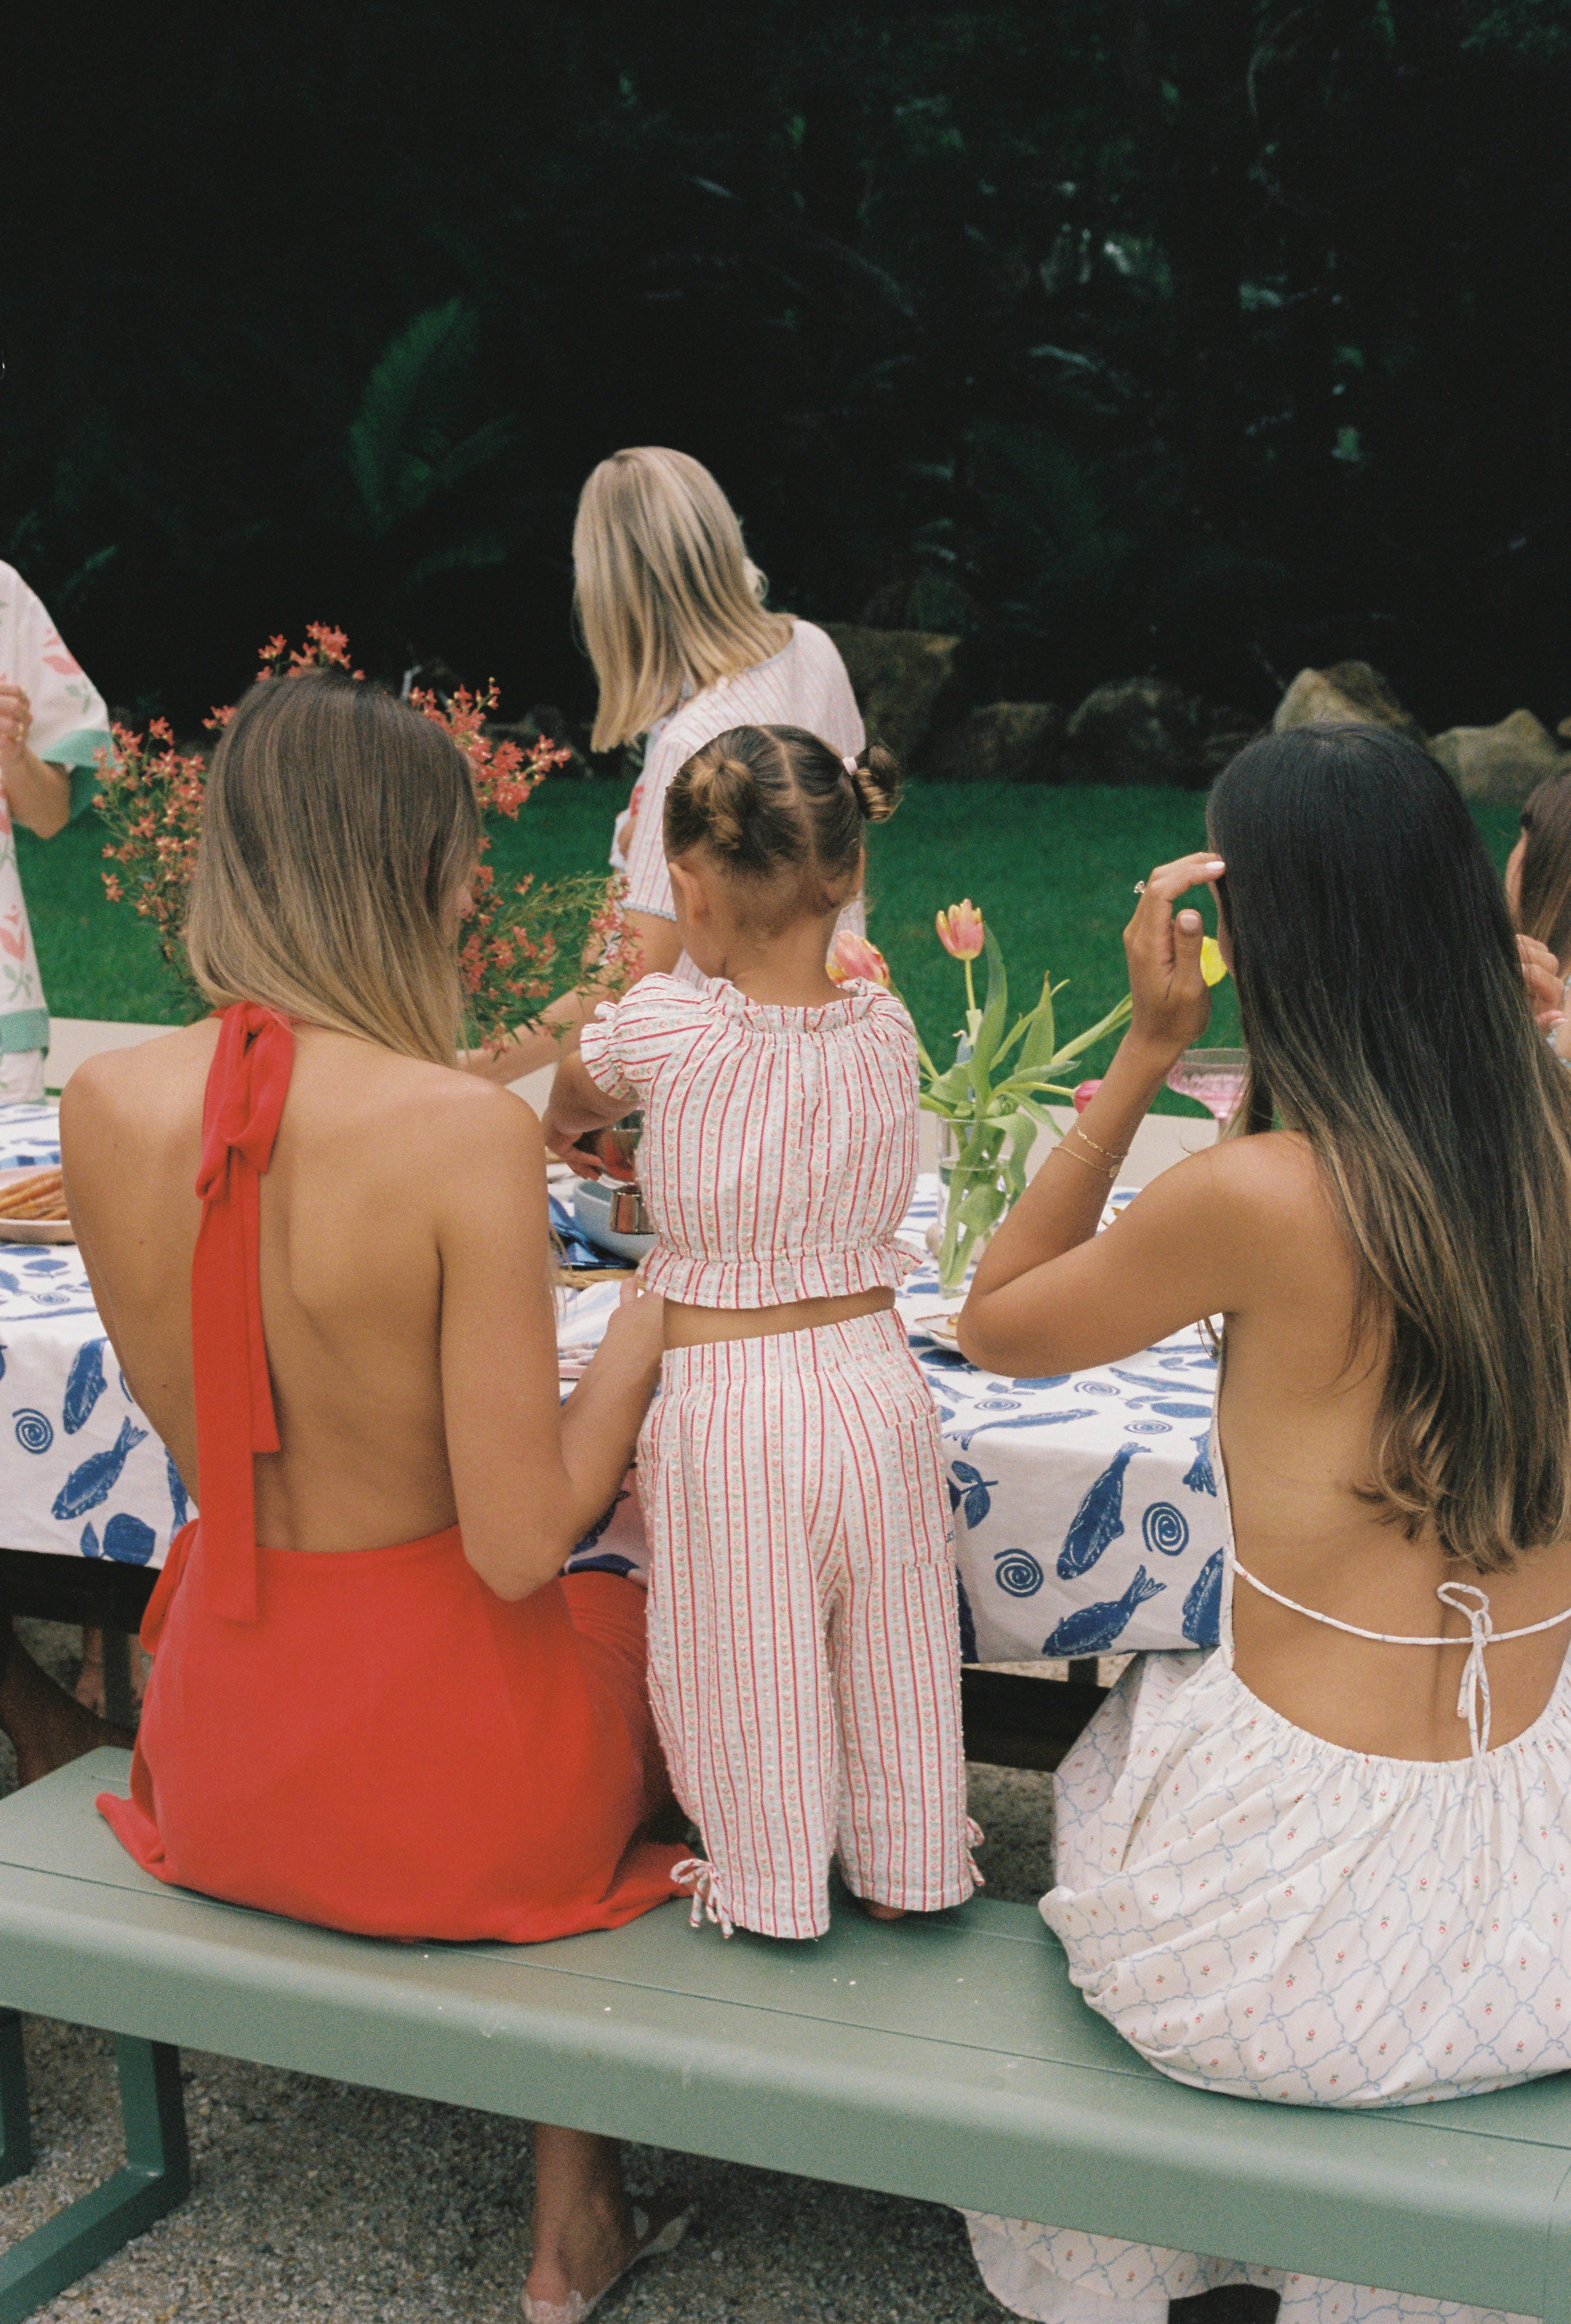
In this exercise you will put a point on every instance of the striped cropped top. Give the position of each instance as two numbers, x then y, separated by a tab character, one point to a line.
779	1146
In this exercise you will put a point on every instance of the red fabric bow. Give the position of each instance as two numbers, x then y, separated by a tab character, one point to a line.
247	1084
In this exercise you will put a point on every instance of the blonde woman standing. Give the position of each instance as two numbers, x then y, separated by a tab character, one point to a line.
671	609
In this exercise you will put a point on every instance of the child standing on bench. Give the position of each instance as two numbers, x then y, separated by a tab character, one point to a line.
804	1661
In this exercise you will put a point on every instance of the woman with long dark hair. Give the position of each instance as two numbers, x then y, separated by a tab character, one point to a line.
1327	1861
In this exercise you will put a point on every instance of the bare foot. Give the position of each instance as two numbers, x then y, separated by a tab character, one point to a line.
568	2274
47	1727
882	1911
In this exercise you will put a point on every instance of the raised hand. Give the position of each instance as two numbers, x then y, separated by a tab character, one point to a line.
1172	1001
15	718
1545	985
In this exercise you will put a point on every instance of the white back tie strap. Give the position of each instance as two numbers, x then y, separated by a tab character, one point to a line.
1462	1597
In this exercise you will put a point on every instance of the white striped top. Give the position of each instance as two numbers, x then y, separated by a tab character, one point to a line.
779	1146
803	685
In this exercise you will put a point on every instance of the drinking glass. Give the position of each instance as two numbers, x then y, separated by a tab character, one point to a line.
1215	1076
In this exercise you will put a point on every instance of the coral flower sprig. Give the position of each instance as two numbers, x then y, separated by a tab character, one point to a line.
519	948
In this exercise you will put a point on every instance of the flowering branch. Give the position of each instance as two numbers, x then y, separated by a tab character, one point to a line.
521	946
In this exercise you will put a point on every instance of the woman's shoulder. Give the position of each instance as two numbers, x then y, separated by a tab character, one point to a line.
1258	1203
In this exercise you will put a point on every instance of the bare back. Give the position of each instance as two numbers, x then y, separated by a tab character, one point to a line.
403	1270
1247	1230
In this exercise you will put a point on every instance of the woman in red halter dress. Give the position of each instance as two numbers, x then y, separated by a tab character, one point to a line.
322	1257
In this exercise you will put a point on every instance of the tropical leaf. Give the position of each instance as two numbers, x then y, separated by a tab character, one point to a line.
406	443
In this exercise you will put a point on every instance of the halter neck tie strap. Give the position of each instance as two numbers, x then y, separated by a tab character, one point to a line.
1464	1599
247	1084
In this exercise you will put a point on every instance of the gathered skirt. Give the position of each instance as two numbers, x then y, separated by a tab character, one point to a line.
393	1750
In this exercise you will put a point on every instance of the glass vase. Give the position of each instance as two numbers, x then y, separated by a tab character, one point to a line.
981	1173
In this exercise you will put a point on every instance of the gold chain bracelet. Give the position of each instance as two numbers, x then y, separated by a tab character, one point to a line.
1085	1162
1105	1150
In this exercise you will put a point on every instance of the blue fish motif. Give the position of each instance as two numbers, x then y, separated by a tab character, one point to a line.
182	1506
97	1476
967	1623
8	1281
90	1543
1092	1630
1161	1388
1026	1420
944	1359
83	1385
128	1540
1203	1606
1046	1379
1200	1477
970	1490
1175	1411
1099	1519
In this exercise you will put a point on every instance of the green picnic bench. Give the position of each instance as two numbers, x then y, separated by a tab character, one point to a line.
948	2059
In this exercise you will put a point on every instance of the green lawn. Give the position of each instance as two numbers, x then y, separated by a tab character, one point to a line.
1052	869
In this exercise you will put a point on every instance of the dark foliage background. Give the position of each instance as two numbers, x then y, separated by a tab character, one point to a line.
1207	338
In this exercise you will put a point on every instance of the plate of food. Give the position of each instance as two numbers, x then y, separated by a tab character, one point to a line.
33	1206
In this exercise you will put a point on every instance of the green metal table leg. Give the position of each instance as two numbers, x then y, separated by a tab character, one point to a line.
156	2177
15	2123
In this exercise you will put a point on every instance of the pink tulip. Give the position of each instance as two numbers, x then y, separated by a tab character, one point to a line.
1084	1091
959	930
853	956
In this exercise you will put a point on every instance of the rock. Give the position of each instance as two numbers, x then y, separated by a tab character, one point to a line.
903	680
1347	694
1501	763
1138	730
1002	742
1223	732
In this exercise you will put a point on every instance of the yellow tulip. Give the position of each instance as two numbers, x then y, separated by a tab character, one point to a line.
1213	967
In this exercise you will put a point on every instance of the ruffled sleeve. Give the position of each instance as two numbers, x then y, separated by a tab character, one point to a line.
625	1042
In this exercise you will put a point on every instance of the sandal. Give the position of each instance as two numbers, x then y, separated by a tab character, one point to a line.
575	2307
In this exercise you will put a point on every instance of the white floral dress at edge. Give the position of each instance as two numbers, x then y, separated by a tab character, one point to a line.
71	728
1260	1912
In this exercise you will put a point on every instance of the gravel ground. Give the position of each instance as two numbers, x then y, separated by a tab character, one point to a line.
313	2199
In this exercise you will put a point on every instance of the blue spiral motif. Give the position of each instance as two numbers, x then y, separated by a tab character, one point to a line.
1166	1529
34	1434
1017	1573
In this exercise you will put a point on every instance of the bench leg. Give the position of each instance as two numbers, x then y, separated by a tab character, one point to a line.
15	2123
156	2177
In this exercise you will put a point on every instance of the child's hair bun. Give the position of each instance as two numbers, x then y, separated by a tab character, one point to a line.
724	794
876	780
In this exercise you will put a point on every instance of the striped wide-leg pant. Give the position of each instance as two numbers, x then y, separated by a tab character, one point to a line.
804	1647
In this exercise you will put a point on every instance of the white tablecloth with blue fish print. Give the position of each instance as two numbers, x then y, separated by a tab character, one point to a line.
1087	1517
82	1473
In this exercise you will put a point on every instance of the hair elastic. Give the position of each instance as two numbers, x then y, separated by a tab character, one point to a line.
848	763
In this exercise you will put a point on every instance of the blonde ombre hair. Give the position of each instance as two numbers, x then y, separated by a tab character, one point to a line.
666	595
338	830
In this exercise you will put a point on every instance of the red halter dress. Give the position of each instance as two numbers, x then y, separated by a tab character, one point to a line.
370	1739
